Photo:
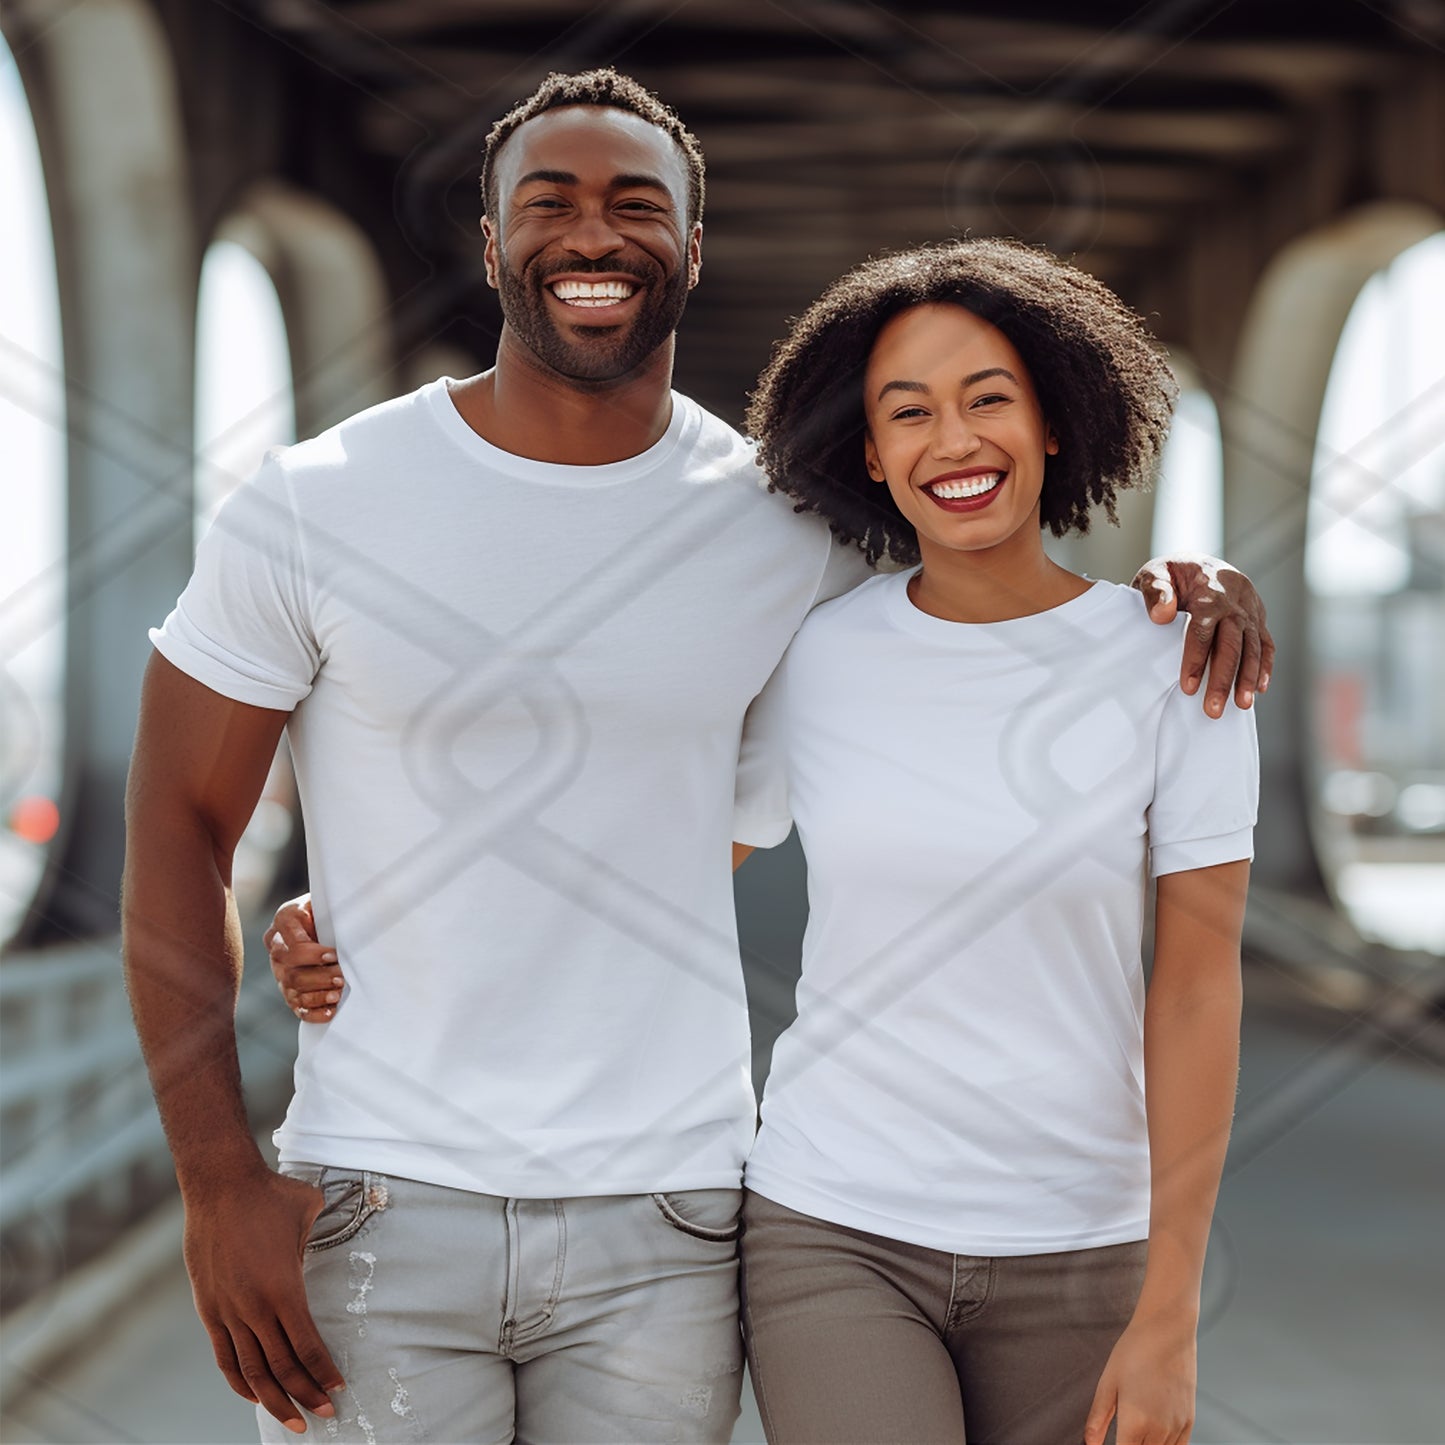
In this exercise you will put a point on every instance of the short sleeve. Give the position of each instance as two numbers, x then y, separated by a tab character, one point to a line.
762	817
1206	786
241	627
843	570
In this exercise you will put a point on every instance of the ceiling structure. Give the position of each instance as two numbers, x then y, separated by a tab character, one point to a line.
833	129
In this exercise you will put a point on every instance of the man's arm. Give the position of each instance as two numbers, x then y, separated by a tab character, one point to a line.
199	765
1226	626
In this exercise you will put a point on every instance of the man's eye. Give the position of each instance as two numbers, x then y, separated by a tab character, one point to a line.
545	203
637	206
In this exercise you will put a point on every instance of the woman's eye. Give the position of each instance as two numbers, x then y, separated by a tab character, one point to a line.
991	400
908	413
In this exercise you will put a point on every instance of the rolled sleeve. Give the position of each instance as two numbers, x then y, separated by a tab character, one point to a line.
242	626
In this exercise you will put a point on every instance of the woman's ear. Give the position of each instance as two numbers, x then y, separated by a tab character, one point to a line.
1051	442
870	458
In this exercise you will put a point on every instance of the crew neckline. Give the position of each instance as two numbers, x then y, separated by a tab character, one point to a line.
908	615
681	429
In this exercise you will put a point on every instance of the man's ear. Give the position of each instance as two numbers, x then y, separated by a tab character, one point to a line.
870	458
1051	442
694	256
489	254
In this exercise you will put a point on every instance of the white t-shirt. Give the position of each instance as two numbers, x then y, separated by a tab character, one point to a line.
978	805
518	690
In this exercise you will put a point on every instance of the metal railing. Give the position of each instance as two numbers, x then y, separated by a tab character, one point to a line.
82	1152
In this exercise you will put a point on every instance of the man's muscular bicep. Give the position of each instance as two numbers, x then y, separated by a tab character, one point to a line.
200	753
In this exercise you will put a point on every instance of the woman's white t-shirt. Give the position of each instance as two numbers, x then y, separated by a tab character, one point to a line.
981	806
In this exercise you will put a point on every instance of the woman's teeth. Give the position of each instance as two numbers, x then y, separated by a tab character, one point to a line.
965	487
592	293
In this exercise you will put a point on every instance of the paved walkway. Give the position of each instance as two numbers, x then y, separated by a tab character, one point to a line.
1325	1300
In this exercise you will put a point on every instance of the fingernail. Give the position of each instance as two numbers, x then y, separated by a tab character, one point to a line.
338	981
1246	697
328	957
327	1410
296	1427
1215	707
1263	681
333	998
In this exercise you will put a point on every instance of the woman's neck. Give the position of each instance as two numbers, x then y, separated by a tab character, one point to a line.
998	584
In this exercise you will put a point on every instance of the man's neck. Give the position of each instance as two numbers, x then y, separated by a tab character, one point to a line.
525	408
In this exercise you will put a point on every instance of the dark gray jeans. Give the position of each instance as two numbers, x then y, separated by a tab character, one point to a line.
852	1337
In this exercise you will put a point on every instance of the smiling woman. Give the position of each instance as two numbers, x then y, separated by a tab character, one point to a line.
964	1208
1103	387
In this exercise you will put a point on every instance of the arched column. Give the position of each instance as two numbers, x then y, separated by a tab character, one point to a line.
104	98
1269	421
333	295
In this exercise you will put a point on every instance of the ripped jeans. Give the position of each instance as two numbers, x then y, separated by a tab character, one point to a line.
456	1316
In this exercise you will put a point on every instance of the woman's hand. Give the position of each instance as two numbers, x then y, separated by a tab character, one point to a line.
306	972
1149	1383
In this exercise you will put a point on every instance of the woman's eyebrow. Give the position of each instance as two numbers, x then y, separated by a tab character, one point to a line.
970	380
900	386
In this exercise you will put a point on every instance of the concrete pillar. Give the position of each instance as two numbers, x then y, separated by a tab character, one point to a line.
333	296
111	141
1269	422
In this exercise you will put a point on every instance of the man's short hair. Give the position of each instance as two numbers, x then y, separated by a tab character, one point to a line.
604	87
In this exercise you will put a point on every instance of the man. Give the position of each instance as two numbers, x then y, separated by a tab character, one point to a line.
511	627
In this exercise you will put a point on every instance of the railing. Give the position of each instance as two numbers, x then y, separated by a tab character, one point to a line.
82	1153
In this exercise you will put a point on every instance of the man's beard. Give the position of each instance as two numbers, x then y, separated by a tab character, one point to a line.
612	352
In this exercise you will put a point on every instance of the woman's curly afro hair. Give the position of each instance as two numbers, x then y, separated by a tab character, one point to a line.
1103	385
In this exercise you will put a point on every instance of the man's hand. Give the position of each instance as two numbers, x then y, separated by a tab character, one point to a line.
307	973
1149	1383
243	1250
1226	626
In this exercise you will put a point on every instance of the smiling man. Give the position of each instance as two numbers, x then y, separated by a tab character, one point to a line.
511	626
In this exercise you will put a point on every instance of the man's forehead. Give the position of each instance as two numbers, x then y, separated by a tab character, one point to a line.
595	140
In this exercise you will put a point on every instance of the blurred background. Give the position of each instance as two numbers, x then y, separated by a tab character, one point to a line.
228	223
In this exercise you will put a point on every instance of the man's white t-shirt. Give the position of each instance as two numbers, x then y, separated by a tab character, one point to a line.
980	806
518	691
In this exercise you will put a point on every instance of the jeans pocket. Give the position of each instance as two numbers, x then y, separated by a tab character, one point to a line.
710	1214
352	1197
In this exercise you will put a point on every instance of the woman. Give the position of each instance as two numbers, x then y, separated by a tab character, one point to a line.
950	1230
962	1220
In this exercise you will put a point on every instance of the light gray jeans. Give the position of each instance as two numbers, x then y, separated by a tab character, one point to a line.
461	1317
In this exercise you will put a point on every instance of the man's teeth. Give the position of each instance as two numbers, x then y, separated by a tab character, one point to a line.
592	293
966	487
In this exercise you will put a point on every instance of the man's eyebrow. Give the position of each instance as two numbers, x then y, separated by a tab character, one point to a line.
629	182
617	183
555	178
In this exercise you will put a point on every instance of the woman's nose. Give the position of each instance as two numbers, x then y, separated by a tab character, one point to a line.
954	437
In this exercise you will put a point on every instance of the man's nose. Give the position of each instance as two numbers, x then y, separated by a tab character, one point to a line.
592	235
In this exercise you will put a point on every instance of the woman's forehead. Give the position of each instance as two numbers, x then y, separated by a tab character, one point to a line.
940	336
